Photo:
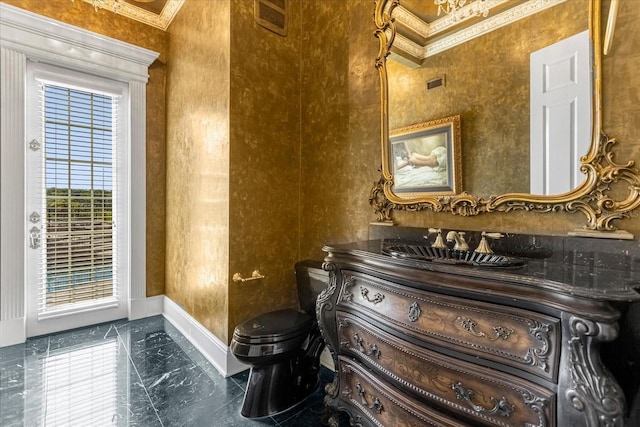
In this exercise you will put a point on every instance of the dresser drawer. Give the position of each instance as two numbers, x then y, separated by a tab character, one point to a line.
383	405
481	394
519	338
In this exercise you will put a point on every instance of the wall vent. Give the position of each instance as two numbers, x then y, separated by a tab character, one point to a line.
272	15
435	83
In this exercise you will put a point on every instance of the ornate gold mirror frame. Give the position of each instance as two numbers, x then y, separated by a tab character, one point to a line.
593	197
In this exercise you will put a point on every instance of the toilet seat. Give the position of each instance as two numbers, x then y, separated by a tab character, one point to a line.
273	327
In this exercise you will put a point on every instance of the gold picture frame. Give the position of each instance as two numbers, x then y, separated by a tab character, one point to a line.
426	158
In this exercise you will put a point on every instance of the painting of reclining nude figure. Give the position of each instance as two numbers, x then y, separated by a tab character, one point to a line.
426	158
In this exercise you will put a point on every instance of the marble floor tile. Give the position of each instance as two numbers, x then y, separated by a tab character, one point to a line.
160	360
242	379
128	373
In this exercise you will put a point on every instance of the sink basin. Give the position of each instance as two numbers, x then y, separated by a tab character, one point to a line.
449	256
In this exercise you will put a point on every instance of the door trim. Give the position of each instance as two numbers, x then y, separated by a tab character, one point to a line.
24	36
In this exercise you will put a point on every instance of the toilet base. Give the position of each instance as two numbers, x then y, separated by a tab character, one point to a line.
276	388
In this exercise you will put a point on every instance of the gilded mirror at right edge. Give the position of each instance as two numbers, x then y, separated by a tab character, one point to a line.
604	175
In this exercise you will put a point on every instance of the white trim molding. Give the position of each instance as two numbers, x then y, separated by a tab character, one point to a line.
12	196
161	21
27	36
51	41
146	307
211	347
447	32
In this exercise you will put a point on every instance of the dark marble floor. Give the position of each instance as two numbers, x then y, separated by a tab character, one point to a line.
139	373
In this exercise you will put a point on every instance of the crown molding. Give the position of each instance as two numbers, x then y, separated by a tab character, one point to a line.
136	13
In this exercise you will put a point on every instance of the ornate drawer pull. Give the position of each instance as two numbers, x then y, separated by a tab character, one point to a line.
501	407
373	349
414	312
377	406
359	342
469	325
378	297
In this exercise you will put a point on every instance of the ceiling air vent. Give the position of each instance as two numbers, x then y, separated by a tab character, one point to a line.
272	15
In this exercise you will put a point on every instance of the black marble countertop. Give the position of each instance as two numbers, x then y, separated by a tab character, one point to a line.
588	278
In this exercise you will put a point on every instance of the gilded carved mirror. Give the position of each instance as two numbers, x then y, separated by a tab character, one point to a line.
438	60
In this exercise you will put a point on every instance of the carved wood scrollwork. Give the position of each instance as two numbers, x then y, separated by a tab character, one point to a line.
594	392
346	289
539	356
537	404
594	197
325	306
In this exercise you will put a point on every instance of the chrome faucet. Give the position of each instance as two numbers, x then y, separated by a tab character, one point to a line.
483	246
458	237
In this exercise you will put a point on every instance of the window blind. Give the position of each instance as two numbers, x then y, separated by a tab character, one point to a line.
77	265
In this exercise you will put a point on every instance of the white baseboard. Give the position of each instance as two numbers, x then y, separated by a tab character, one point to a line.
154	306
326	360
211	347
146	307
12	331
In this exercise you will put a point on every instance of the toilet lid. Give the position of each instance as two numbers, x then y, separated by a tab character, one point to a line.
273	326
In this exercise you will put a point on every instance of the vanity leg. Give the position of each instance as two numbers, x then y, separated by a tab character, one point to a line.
330	417
588	395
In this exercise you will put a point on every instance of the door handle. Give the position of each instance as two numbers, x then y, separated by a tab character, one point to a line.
34	238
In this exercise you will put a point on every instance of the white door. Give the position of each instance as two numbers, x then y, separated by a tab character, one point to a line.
561	104
76	195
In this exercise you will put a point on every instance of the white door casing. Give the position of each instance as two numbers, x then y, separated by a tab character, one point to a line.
27	36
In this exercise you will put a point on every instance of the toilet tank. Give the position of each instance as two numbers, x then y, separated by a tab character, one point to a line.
311	280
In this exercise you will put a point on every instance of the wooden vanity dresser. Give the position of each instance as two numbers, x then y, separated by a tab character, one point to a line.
426	344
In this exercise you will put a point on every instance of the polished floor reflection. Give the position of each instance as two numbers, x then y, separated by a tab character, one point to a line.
139	373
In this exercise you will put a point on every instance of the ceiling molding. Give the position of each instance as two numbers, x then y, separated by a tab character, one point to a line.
446	32
161	21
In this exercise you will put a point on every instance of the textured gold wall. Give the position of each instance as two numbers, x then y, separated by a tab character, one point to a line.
103	22
233	162
198	82
621	87
156	179
264	162
340	123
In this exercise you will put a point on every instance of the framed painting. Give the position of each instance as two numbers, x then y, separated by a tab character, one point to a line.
426	158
